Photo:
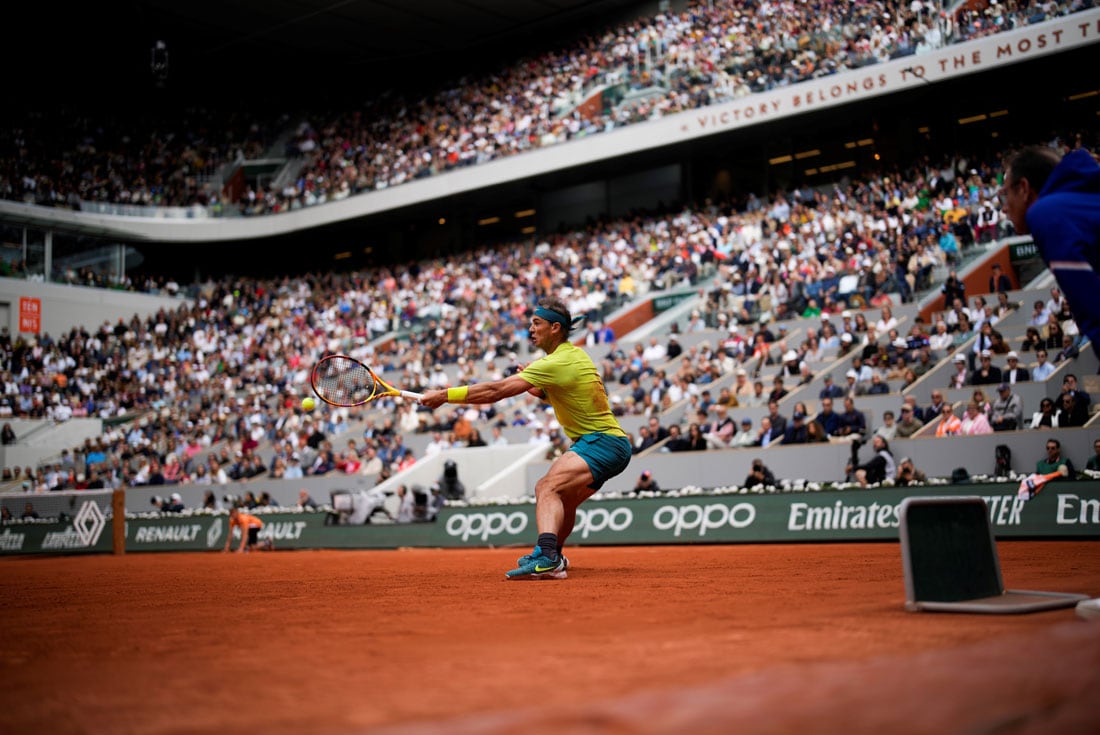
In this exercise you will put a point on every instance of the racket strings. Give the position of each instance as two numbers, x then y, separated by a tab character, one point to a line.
343	381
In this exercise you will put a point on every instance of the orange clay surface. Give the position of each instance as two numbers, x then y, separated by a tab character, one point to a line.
746	639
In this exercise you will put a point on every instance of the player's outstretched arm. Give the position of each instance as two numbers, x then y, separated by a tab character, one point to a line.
490	392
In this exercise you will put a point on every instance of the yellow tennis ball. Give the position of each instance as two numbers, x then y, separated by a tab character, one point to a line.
308	404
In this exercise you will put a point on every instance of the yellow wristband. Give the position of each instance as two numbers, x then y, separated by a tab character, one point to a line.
457	395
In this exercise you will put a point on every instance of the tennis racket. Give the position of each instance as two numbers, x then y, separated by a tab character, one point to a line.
339	380
1032	484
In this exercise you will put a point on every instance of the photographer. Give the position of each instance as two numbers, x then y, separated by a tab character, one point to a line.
759	475
171	504
876	469
451	487
908	474
646	484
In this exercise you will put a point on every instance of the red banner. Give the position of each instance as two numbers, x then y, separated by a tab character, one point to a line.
30	314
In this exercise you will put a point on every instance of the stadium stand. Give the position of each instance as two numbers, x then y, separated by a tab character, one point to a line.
651	67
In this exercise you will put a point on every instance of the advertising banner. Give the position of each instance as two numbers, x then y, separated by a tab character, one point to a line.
1061	510
87	532
284	530
1069	510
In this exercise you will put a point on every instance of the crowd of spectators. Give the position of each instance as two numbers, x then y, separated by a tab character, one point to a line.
708	53
714	422
216	376
123	156
883	360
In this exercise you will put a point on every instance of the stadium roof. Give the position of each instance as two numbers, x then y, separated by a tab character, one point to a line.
248	44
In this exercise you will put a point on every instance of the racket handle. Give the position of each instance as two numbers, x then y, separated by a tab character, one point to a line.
411	394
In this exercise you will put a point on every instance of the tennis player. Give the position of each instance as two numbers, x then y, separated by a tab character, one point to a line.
250	527
568	379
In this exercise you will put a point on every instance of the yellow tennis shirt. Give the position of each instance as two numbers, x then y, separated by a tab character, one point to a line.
574	388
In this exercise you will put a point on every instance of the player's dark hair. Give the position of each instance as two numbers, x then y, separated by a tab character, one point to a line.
1033	163
555	304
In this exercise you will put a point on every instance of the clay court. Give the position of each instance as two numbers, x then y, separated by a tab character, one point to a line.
760	639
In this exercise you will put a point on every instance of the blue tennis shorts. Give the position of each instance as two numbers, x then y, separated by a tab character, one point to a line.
605	454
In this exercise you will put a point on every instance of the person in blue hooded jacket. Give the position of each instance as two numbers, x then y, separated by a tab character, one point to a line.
1057	200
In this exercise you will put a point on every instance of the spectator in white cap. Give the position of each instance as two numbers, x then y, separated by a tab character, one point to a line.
863	370
986	373
851	389
1013	373
847	342
961	377
174	504
733	345
792	364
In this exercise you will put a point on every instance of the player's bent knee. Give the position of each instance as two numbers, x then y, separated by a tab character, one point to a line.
544	488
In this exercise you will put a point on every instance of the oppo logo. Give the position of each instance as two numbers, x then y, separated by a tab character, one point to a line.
699	519
485	525
595	520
